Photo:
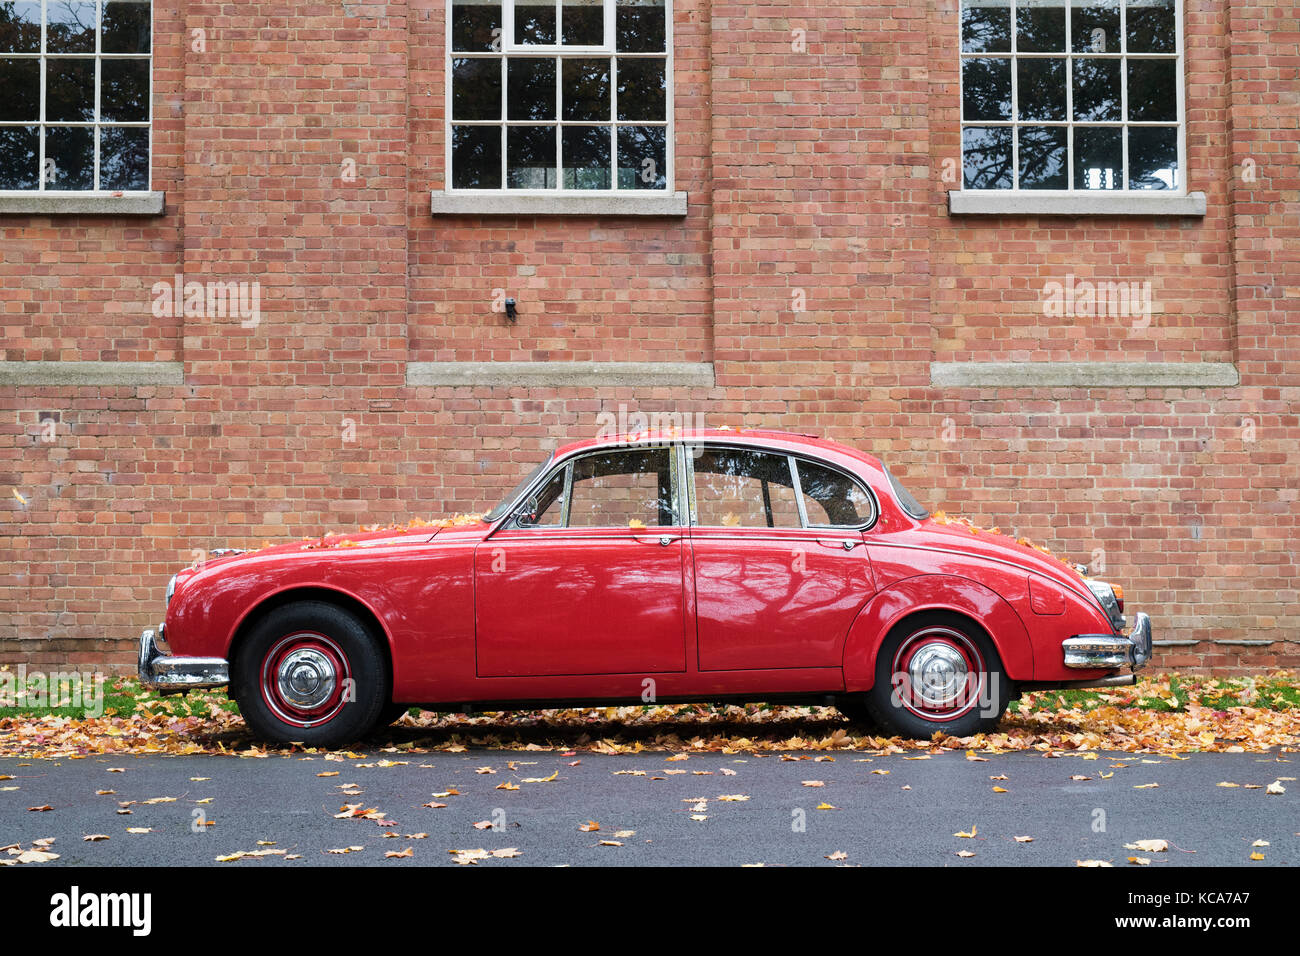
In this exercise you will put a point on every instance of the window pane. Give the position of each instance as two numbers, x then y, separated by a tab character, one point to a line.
1040	91
586	89
1040	26
1098	158
20	27
583	22
641	26
21	82
832	498
124	91
744	489
70	26
530	157
642	88
1096	89
986	157
986	26
476	89
1152	90
622	489
1094	25
476	26
70	90
19	155
1151	27
586	157
1042	157
535	22
70	157
125	27
642	157
123	157
1153	157
476	157
986	89
530	88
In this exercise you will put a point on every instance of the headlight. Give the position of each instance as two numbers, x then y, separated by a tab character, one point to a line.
1109	601
171	589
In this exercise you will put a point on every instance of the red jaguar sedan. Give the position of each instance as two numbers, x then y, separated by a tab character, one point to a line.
708	565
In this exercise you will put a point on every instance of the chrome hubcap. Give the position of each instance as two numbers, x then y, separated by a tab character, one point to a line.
938	675
306	678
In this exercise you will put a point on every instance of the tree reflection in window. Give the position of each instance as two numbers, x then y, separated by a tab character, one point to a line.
76	108
1070	94
584	102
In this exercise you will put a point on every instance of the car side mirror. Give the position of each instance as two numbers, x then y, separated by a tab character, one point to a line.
527	517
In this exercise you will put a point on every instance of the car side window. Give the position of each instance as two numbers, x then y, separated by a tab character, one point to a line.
832	499
627	488
742	488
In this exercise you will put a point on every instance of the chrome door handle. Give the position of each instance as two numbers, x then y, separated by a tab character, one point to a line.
844	543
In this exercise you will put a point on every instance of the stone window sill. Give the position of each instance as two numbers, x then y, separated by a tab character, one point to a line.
993	202
1003	375
572	204
81	204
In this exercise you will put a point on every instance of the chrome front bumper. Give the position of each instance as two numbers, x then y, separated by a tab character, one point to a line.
1093	651
172	675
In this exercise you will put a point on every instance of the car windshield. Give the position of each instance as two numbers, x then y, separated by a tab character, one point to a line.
905	498
518	490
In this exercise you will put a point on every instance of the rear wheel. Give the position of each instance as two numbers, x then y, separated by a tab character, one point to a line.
310	673
937	672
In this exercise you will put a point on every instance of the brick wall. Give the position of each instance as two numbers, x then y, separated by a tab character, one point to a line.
818	270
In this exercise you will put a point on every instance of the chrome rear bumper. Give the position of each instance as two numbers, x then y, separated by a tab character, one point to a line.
167	674
1107	651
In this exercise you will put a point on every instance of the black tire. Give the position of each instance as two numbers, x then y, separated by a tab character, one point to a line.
953	646
305	643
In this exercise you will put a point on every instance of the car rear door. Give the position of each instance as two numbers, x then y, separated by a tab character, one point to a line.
772	589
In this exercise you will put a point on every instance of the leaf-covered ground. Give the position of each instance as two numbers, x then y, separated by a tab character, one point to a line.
1162	714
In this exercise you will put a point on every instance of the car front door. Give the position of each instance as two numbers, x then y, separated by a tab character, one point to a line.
587	578
778	577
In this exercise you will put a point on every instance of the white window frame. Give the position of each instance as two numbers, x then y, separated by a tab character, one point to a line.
627	197
96	124
1123	123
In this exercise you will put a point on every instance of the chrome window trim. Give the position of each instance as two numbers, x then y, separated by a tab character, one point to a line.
567	463
794	471
687	517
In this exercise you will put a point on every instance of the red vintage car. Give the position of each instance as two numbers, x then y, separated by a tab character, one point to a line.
708	565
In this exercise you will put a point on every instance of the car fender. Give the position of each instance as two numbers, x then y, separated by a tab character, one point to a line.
935	592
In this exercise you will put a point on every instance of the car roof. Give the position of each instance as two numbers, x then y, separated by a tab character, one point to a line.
759	437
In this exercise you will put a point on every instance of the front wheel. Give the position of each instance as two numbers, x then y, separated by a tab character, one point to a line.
937	672
310	673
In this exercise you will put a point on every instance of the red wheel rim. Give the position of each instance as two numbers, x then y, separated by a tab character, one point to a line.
305	679
938	674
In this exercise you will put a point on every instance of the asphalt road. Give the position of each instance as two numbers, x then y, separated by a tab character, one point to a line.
906	816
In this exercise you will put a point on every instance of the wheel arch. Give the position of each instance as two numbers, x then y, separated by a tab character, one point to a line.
321	594
969	600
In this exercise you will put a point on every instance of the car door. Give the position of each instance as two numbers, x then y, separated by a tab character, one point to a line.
588	578
780	569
